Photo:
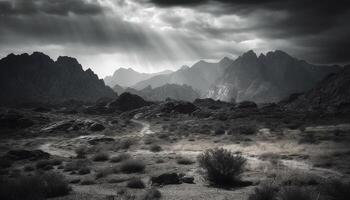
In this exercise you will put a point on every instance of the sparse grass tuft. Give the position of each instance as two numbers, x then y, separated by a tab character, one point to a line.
264	192
222	167
296	193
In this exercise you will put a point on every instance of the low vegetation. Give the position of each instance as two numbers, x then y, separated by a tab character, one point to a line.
120	157
155	148
100	157
36	187
132	166
222	167
184	161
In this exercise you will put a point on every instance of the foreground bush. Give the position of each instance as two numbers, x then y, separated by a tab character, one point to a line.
222	167
100	157
35	187
265	192
184	161
132	166
152	194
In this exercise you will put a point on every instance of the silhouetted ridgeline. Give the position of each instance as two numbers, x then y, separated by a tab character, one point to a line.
37	78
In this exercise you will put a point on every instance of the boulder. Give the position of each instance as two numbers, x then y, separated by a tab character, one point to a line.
187	179
97	127
166	179
127	102
179	107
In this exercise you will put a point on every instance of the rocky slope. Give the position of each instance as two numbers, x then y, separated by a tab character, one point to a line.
331	94
128	77
267	78
172	91
37	78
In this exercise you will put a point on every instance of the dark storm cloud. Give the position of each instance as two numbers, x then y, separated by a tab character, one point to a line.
51	7
320	28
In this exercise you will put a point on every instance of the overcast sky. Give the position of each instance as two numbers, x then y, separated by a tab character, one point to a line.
153	35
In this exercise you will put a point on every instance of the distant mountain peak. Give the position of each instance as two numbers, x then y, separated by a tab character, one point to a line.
249	55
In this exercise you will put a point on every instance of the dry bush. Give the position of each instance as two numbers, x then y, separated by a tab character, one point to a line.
222	167
100	157
88	181
35	187
132	166
264	192
184	161
136	183
81	151
296	193
155	148
126	143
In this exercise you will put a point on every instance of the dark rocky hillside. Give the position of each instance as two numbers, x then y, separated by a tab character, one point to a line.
37	78
267	78
331	94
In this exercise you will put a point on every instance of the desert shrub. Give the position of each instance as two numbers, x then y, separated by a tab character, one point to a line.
125	143
47	164
246	130
149	140
106	171
151	194
35	187
55	185
155	148
264	192
184	161
83	171
88	181
136	183
100	157
336	190
296	193
117	180
120	157
76	165
81	151
298	178
219	131
222	167
132	166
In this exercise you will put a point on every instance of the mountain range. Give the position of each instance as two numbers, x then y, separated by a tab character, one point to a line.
38	78
263	78
128	77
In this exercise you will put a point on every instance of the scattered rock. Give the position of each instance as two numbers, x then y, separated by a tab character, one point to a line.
97	127
187	179
247	104
127	102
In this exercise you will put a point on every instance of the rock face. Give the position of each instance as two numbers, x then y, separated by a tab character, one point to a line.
172	91
267	78
200	76
127	102
331	94
37	78
128	77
